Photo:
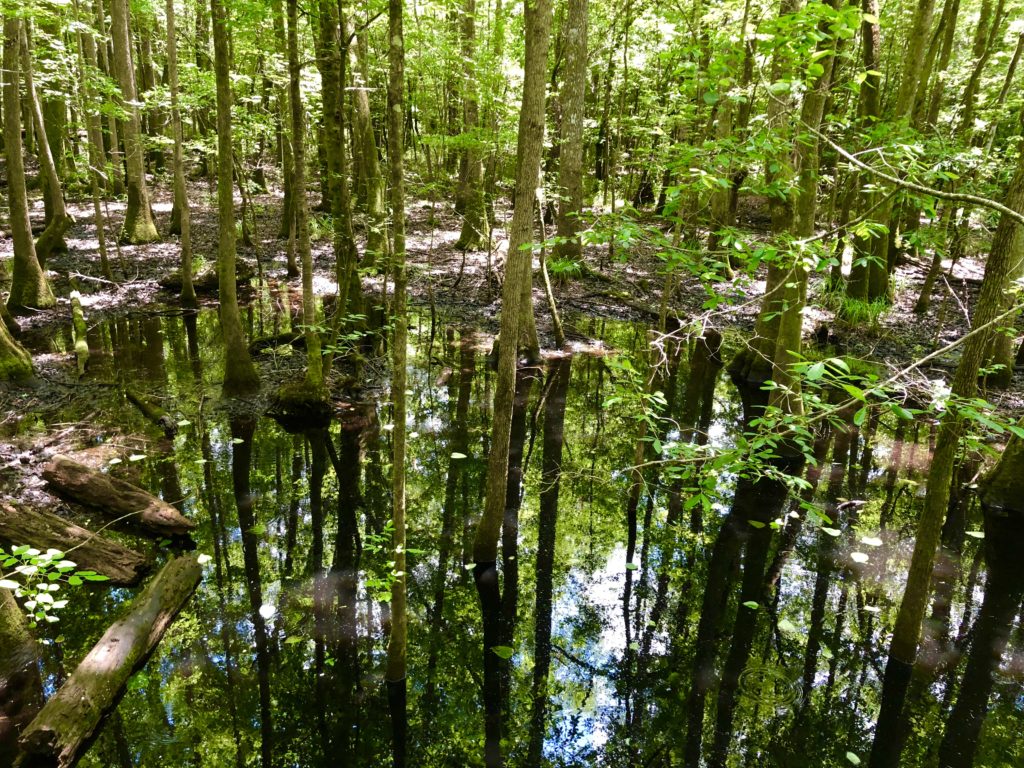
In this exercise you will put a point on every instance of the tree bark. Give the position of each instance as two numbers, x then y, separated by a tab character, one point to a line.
181	206
240	375
570	153
21	689
138	218
475	232
29	287
395	672
114	497
91	551
68	720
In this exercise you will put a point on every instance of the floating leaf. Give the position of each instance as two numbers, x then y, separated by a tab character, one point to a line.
113	461
293	640
184	423
634	646
751	605
755	523
785	625
204	559
831	531
457	455
237	441
854	760
137	457
976	534
631	566
858	557
502	651
267	610
872	609
871	541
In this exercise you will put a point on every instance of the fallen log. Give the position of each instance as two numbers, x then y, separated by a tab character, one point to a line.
65	725
90	551
152	411
21	689
114	497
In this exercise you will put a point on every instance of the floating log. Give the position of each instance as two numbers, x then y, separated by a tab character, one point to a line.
21	689
114	497
44	530
152	411
65	725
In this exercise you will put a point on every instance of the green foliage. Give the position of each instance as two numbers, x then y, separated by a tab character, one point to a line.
36	576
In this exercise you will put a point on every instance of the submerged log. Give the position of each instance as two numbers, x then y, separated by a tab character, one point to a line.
21	689
114	497
44	530
65	725
152	411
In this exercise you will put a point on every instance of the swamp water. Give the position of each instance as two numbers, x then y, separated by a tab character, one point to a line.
745	614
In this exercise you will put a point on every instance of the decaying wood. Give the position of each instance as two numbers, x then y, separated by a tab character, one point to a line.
114	497
66	723
90	551
21	689
152	411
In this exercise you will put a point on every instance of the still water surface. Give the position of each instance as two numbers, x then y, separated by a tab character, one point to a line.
740	631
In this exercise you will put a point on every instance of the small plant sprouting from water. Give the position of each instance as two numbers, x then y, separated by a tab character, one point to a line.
37	576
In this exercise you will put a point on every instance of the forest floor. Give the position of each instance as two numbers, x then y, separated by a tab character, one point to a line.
458	283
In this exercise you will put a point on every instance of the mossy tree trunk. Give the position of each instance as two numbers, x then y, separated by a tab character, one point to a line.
395	672
188	293
139	226
475	233
570	153
314	360
240	374
29	288
57	219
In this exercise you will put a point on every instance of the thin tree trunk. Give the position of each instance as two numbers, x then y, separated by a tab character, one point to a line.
570	157
188	294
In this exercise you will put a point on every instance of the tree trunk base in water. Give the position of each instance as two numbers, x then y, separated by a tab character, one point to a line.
297	407
68	721
114	497
44	530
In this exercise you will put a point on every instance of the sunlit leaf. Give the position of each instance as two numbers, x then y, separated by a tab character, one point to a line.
502	651
752	605
858	557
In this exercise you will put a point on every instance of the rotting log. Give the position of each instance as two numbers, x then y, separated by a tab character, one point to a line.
21	689
114	497
152	411
79	330
88	550
67	722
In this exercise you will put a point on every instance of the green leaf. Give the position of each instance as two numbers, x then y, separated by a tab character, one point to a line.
755	523
8	584
631	566
859	416
785	625
854	760
457	455
831	531
502	651
293	640
869	18
752	605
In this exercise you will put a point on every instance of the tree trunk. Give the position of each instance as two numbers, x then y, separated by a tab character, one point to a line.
29	288
138	218
91	551
475	232
66	723
885	752
113	497
57	220
570	153
395	672
240	375
314	360
188	293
